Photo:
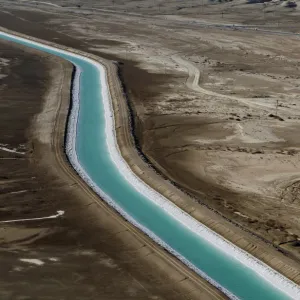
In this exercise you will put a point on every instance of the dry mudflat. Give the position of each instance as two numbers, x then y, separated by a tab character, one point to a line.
216	107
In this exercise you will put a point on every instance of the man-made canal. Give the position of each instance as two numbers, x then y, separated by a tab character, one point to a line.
92	150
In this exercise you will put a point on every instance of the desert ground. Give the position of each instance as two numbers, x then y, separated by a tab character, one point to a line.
213	88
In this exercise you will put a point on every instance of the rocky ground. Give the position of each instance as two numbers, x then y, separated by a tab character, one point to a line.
216	105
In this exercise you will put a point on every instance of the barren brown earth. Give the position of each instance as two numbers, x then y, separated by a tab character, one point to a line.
204	100
89	252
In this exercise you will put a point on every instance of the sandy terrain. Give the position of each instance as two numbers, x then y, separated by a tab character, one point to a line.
204	99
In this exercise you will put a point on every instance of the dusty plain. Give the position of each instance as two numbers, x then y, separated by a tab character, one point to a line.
216	107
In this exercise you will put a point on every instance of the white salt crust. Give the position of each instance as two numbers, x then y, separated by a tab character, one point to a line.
267	273
275	278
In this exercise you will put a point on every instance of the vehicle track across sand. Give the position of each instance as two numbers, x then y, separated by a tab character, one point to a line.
192	82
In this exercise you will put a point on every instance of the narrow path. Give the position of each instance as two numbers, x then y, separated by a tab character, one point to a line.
192	83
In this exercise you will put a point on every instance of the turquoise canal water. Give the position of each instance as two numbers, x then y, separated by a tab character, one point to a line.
93	155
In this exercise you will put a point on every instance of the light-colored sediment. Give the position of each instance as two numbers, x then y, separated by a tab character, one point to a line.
11	150
58	214
130	154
